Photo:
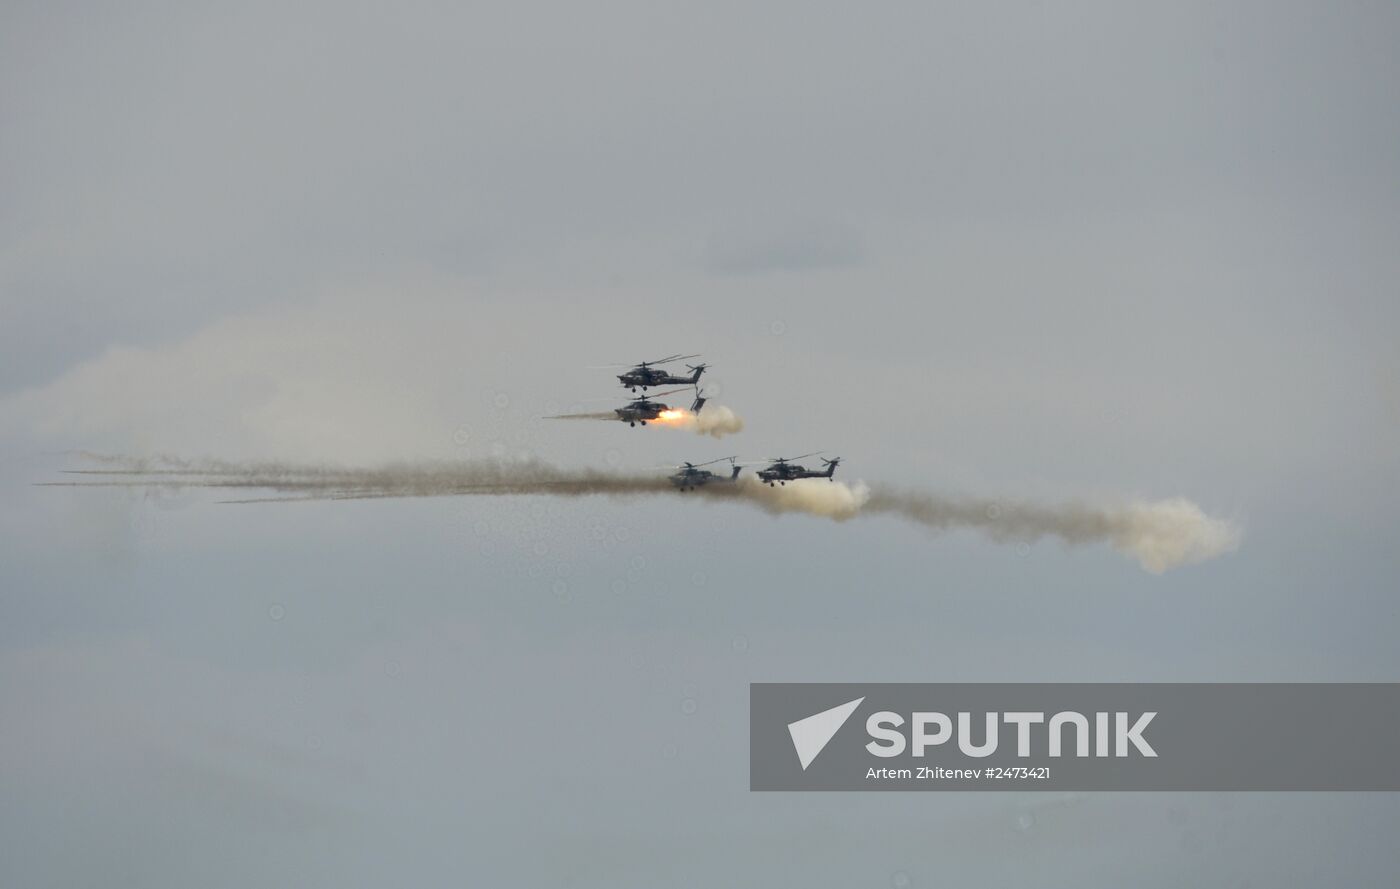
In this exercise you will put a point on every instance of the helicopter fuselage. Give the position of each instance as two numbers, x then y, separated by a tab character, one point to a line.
640	411
645	377
782	472
690	477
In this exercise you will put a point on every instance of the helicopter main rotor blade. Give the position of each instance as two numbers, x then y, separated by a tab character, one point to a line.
641	364
709	462
790	459
676	358
658	394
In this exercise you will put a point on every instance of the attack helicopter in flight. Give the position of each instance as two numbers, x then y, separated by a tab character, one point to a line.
783	470
647	374
689	476
642	408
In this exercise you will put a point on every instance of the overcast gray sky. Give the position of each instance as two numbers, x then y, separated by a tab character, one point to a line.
1055	250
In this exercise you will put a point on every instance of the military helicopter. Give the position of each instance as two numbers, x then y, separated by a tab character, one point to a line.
642	408
689	476
783	470
646	374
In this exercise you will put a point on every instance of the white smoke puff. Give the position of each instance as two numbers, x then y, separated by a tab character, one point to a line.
813	496
1159	535
714	420
1169	533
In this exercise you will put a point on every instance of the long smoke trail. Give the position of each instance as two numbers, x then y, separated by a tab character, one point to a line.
1159	535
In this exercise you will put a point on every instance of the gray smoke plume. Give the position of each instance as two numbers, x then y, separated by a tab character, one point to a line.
1159	535
714	420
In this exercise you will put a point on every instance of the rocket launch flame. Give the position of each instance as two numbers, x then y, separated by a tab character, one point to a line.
715	420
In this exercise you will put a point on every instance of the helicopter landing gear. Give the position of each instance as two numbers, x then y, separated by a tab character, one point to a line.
643	422
632	423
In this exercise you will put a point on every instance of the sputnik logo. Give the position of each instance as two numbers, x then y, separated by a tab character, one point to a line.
811	735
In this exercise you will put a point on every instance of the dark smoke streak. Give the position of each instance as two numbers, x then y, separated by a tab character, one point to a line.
1159	534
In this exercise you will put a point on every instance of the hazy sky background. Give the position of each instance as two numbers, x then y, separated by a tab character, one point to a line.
1056	251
